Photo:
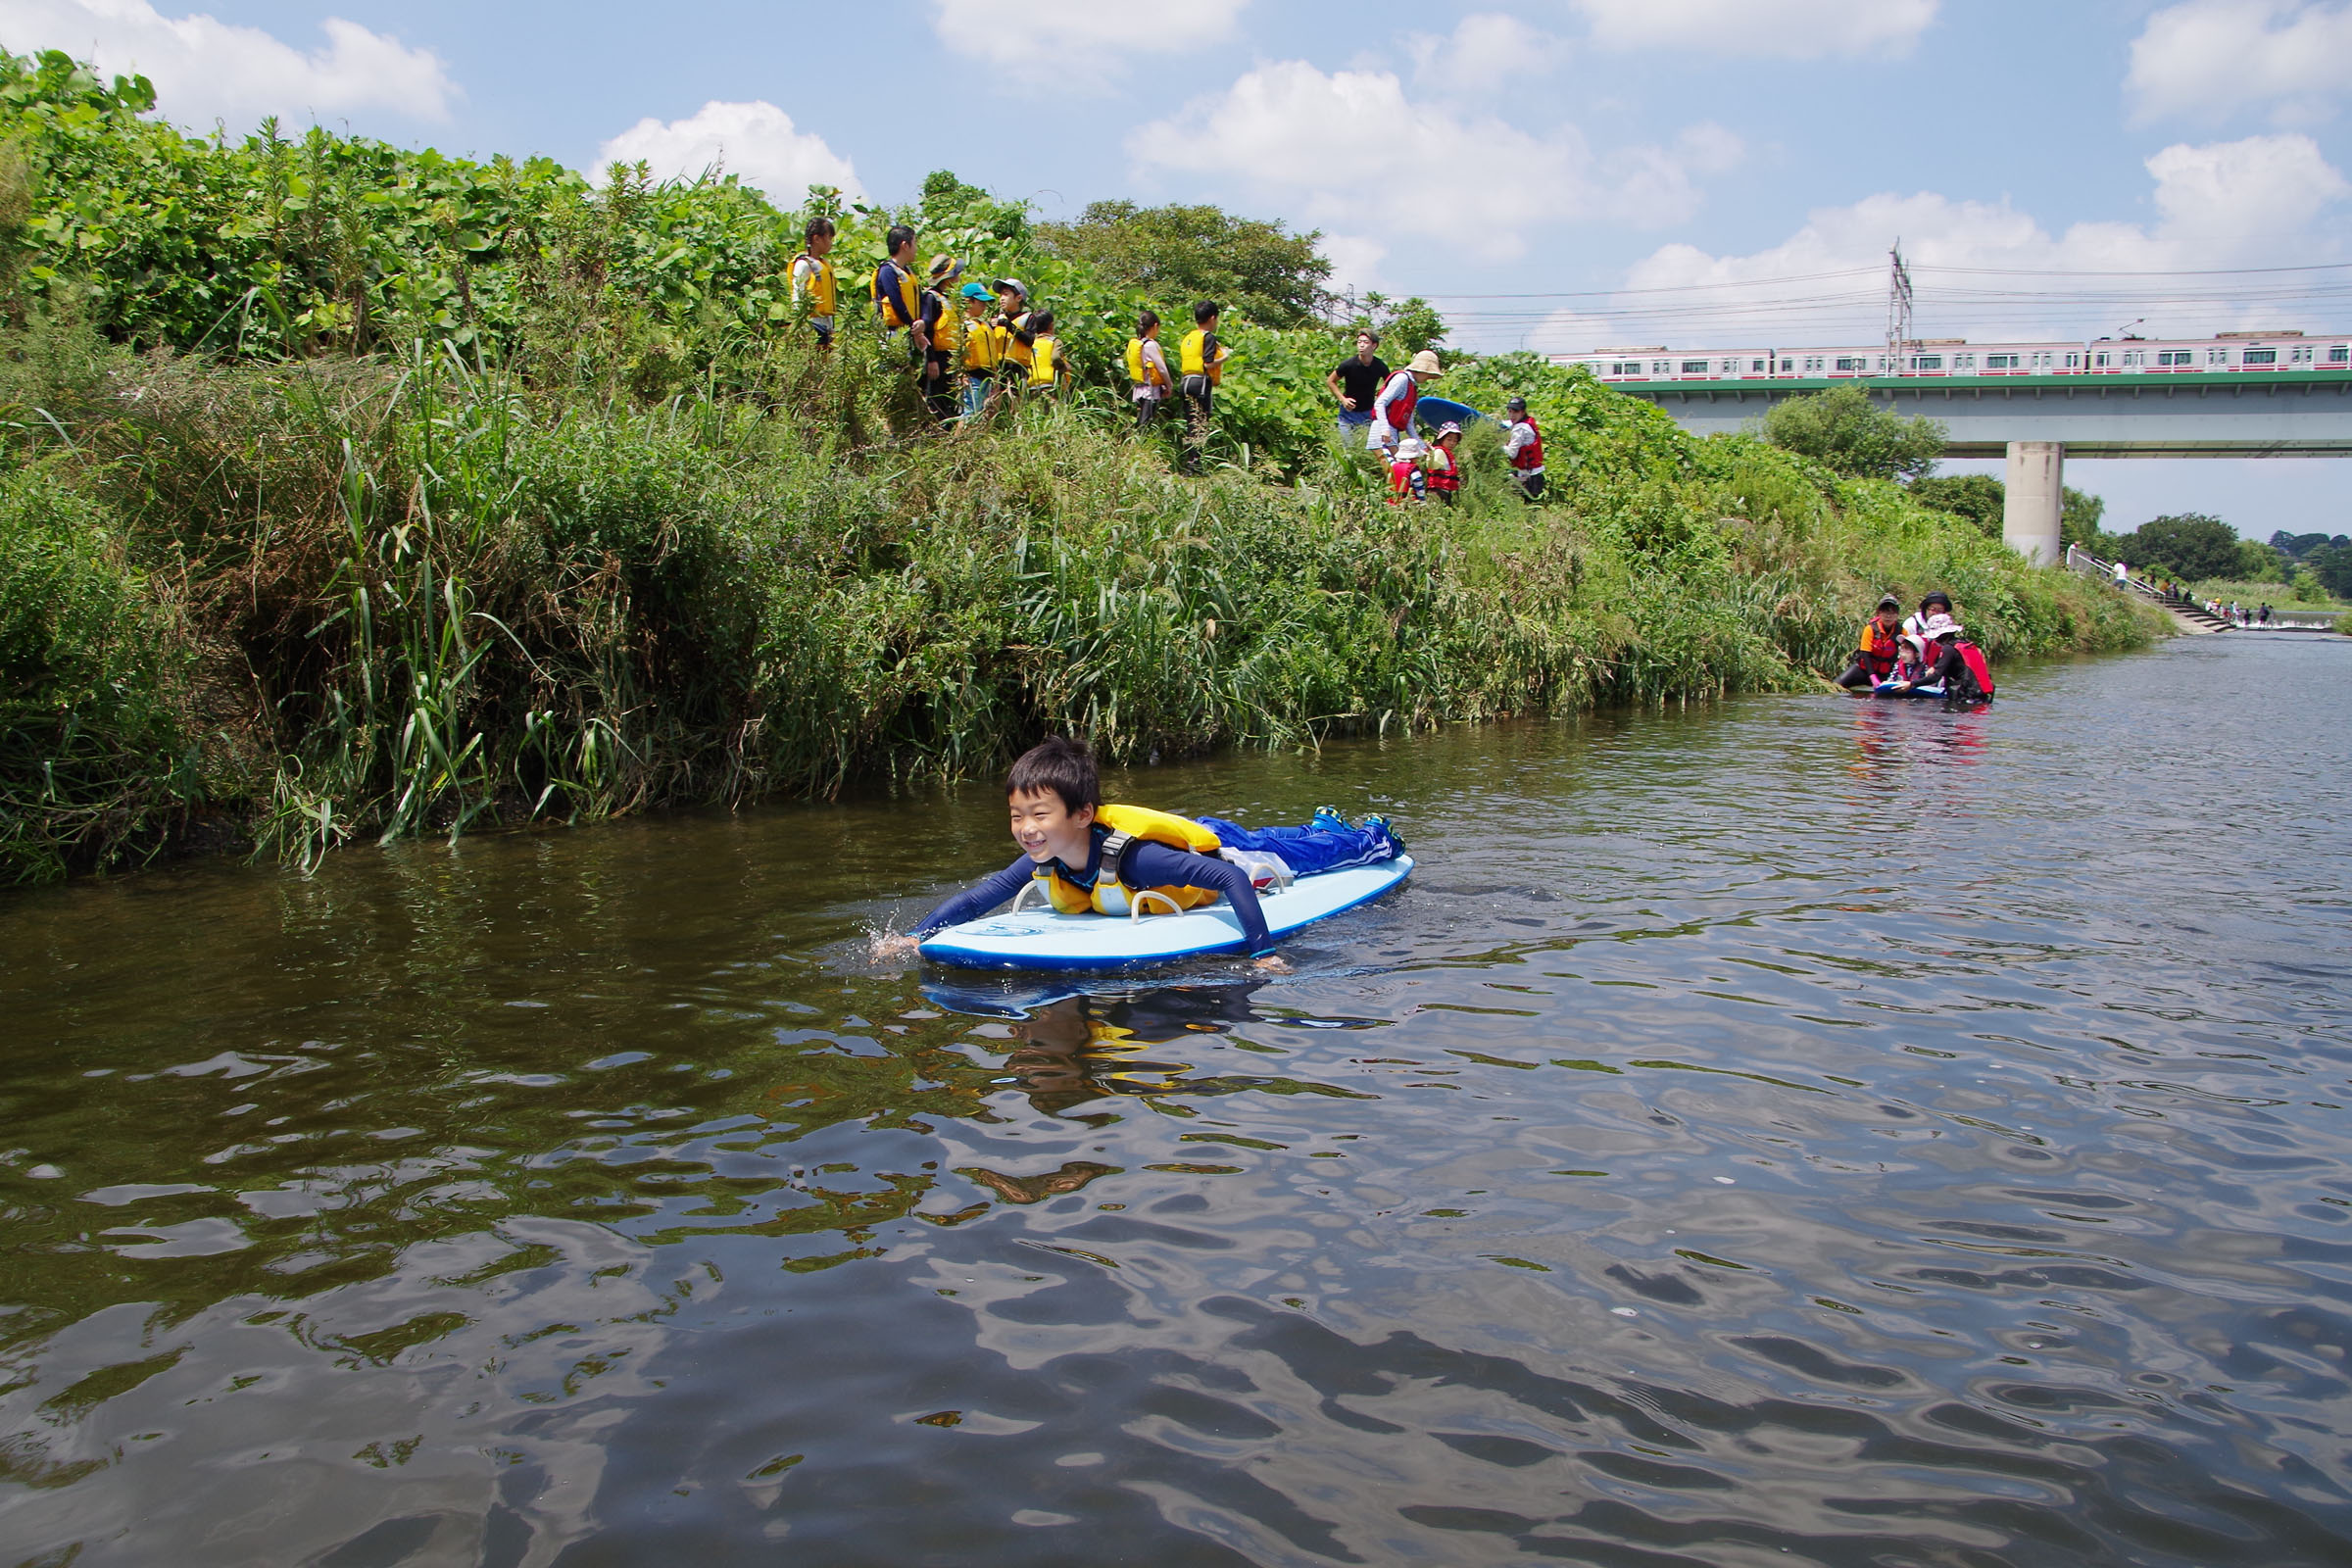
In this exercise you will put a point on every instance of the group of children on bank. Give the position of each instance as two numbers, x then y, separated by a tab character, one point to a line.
978	342
1923	654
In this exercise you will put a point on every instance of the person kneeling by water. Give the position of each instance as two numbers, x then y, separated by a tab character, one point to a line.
1874	658
1958	667
1099	858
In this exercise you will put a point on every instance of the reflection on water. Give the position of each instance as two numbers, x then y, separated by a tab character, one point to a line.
1801	1131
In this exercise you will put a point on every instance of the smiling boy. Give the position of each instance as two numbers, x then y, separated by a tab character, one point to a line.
1095	857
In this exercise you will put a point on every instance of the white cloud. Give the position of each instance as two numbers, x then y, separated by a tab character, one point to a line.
755	141
2222	205
1788	29
206	69
2213	57
1484	50
1351	149
1070	38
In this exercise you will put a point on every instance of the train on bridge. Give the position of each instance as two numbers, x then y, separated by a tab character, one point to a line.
2231	353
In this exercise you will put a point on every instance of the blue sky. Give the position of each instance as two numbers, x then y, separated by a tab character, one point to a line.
1570	148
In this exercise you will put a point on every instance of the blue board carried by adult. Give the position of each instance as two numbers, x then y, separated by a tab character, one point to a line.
1034	938
1434	411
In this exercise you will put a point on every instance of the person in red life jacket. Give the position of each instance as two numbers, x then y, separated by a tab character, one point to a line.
1444	467
1408	475
1392	410
1911	669
1880	647
1958	666
1523	447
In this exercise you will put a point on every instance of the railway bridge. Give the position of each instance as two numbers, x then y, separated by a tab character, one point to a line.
2038	422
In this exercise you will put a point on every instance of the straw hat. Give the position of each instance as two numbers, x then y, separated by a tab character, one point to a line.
1425	363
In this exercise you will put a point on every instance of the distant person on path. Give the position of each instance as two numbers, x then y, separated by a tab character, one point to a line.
1523	447
1392	410
980	351
1201	363
897	305
1356	381
813	281
942	327
2123	575
1880	650
2262	617
1444	468
1147	369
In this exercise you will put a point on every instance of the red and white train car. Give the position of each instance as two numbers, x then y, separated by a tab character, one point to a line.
2227	353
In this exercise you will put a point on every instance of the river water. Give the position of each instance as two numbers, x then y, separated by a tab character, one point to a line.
1791	1131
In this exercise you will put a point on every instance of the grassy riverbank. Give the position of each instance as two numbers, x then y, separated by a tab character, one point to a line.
580	544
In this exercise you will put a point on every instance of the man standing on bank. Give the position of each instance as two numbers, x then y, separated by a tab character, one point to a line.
1355	383
1523	445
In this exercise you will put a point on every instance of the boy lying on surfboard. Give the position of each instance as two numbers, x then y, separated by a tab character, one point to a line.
1093	857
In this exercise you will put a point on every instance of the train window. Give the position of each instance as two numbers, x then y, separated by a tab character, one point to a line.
2000	362
2259	356
2175	357
2301	356
2217	356
2074	361
1694	366
2341	354
1791	365
1755	364
1658	366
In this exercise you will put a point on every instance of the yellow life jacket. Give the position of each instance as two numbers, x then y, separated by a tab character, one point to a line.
821	289
947	333
1009	346
1110	894
1193	357
1044	365
902	309
1141	371
981	350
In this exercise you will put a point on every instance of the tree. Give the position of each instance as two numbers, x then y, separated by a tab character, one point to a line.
2331	563
1177	255
2079	517
2259	562
1979	497
2189	545
1984	501
1405	327
1842	430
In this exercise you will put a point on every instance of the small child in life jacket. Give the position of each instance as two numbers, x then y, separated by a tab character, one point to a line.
1099	858
1406	475
1444	478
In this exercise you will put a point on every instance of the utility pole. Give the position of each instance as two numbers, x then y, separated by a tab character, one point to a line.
1899	331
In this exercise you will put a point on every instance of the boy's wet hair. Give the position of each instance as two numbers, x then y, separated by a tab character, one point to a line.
1062	765
899	234
816	227
1147	321
1042	321
1204	312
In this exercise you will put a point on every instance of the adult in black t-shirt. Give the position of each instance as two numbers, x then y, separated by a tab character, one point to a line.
1356	383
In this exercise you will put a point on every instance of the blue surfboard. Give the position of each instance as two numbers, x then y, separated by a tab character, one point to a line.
1046	939
1434	411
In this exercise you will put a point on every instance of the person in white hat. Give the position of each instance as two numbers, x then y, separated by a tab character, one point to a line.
1955	664
1392	410
1444	467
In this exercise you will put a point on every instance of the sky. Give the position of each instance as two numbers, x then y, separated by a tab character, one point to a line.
1560	176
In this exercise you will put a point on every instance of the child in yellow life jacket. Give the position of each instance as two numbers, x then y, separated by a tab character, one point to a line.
1049	372
1093	856
981	348
1147	369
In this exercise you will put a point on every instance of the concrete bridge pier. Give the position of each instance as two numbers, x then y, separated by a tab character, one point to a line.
2035	500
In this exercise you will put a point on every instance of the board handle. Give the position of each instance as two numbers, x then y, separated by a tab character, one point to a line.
1033	885
1135	903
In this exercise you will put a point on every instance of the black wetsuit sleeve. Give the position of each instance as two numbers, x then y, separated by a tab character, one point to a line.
1157	866
975	902
1950	668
